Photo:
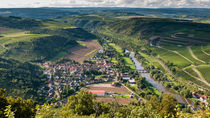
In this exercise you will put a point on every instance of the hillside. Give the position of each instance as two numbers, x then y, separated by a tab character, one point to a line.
177	48
165	31
22	79
37	40
89	22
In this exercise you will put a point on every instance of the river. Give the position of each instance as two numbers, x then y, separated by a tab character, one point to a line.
154	83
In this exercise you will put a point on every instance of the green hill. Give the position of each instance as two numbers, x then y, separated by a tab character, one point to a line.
22	79
165	31
177	44
37	40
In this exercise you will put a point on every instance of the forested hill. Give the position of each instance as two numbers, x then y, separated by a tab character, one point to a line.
19	23
37	40
22	79
164	29
90	22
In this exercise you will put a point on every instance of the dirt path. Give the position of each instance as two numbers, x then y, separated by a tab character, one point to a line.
200	76
204	51
192	54
183	56
169	71
177	54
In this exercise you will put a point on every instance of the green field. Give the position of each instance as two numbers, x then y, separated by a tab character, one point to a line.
117	48
128	61
90	52
183	51
190	70
187	78
168	56
152	61
57	25
24	38
199	54
205	71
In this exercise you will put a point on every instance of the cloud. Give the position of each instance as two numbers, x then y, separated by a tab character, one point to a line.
107	3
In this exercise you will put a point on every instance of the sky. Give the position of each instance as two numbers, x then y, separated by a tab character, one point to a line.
106	3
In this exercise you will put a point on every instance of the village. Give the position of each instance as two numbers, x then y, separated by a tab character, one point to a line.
98	75
68	77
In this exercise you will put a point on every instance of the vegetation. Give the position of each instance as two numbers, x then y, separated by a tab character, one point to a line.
15	107
84	105
22	79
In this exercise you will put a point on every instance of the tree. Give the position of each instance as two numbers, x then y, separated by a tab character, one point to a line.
81	104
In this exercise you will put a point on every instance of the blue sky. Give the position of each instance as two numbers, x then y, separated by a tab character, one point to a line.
107	3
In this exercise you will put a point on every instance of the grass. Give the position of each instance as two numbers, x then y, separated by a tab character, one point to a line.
26	38
82	45
199	54
152	61
185	77
190	70
114	61
117	48
205	69
128	61
16	34
91	52
57	25
183	51
61	54
168	56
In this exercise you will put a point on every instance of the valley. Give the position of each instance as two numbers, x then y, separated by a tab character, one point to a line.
104	62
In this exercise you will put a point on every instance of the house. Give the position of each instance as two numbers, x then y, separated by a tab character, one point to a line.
126	76
98	92
200	97
132	81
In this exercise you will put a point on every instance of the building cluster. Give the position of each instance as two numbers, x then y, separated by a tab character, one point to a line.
73	75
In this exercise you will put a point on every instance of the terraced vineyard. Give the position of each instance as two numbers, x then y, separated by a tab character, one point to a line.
205	70
181	45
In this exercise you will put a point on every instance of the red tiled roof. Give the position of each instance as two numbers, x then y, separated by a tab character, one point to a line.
97	92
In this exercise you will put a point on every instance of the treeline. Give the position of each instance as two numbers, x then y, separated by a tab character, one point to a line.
22	79
15	107
71	33
19	23
85	105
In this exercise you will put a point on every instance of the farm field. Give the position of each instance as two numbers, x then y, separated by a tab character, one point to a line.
123	99
190	70
108	88
183	51
205	70
85	51
199	54
168	56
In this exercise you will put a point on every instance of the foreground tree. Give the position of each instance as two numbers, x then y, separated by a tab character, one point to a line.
81	104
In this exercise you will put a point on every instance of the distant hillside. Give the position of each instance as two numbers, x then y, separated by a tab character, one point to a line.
37	40
165	31
89	22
